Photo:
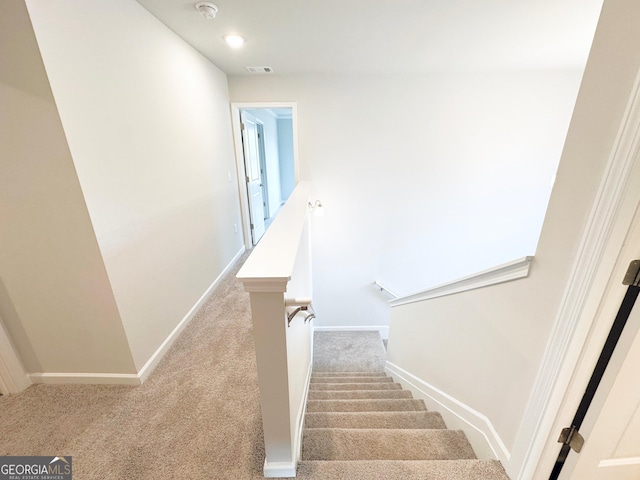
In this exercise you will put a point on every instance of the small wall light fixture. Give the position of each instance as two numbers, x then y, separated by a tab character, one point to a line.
316	208
207	9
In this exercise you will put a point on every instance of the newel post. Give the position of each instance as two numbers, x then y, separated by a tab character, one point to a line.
269	330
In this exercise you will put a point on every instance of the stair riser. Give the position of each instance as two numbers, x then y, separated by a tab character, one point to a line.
411	420
358	394
351	379
354	386
403	470
365	405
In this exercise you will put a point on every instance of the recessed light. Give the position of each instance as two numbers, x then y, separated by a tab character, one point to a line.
234	41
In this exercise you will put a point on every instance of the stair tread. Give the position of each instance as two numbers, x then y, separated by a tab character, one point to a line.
358	394
355	386
356	379
385	444
402	470
348	374
376	420
366	405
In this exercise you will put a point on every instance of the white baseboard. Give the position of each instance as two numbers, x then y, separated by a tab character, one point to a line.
297	445
279	469
147	369
482	435
382	329
87	378
151	364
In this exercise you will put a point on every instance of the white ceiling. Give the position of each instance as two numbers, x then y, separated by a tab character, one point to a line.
387	36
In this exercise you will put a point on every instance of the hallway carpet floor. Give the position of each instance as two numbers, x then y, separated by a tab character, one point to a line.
196	417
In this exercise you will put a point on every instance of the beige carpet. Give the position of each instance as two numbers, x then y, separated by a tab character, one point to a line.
197	417
348	352
356	430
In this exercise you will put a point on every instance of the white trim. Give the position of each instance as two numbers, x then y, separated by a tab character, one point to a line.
383	330
13	378
271	263
240	167
289	469
279	469
462	411
150	365
266	284
86	378
566	340
619	462
384	290
506	272
297	439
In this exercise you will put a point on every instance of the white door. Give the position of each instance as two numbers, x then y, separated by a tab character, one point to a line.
612	449
251	145
612	446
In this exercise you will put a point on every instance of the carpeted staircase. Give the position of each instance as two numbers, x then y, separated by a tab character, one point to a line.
363	425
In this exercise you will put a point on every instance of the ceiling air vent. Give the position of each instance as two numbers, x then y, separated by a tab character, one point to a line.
259	69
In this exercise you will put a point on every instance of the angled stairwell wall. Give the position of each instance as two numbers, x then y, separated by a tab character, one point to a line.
56	301
492	354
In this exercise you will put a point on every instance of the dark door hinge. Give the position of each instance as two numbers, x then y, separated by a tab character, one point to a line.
570	436
632	277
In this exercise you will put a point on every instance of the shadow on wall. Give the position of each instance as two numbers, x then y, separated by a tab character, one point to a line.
14	327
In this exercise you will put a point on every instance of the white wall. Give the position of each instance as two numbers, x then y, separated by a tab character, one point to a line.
484	347
55	297
424	178
272	157
147	122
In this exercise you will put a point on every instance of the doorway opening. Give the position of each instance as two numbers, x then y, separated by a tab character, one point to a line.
266	160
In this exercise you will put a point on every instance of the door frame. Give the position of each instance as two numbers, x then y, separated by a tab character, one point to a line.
240	166
264	178
258	225
580	328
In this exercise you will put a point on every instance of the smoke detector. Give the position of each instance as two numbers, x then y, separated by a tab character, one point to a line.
207	9
259	69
